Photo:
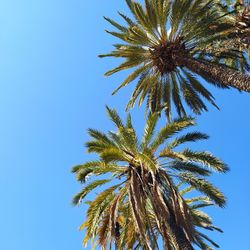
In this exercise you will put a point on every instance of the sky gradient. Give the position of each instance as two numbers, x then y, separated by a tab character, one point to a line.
52	90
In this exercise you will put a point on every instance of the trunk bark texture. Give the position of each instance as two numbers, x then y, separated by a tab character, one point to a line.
216	73
179	236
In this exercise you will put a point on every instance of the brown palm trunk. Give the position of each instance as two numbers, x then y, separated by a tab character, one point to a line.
179	236
169	229
216	73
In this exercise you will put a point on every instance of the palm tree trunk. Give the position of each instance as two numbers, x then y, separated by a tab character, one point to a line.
179	236
216	73
171	229
117	235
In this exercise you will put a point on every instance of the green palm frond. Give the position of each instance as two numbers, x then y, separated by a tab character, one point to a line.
113	155
205	187
189	137
80	196
207	159
170	129
149	129
115	118
189	167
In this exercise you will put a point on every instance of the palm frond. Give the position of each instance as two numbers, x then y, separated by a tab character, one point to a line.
205	187
88	188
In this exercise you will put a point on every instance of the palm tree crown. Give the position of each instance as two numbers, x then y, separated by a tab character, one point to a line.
167	42
238	14
143	200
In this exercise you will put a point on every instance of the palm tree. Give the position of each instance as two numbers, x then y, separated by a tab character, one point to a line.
167	44
143	176
237	13
241	17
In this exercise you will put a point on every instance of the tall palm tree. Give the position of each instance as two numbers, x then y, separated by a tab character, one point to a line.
143	176
167	42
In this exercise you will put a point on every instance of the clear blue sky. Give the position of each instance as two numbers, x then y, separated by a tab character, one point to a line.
52	90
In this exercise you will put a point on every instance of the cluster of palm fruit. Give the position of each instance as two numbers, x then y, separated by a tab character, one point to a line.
174	47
